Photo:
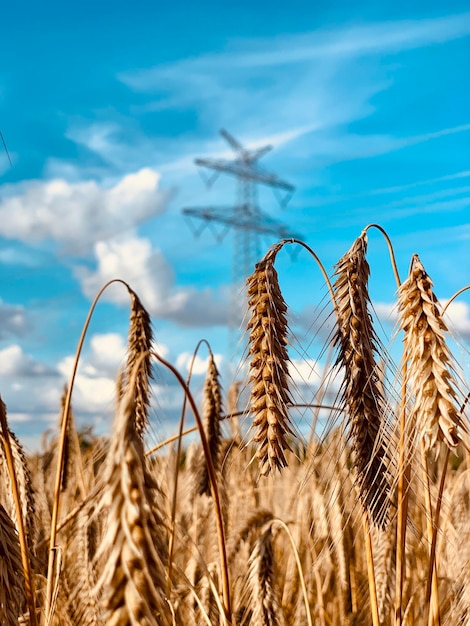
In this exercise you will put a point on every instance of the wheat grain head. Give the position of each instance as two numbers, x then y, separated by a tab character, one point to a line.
268	365
432	385
361	389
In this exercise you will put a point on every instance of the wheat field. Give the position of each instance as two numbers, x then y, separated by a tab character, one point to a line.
258	520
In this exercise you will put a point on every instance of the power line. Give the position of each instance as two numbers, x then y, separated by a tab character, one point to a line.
6	149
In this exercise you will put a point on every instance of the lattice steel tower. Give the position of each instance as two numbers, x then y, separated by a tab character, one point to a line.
246	219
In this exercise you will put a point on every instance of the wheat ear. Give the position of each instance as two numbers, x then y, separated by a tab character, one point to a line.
434	412
12	594
357	343
12	450
265	602
268	365
140	340
25	489
81	600
134	545
211	414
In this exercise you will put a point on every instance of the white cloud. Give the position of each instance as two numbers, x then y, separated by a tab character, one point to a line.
349	42
14	362
305	371
184	360
386	312
32	390
76	214
148	273
458	313
107	354
322	79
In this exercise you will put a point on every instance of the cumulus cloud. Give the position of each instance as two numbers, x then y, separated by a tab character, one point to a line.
145	269
13	320
14	362
459	315
77	213
32	390
105	357
305	371
184	360
386	312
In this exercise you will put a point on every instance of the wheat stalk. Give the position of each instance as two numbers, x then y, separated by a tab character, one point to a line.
268	365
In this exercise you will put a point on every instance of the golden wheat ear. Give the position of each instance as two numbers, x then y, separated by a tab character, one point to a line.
133	550
432	386
212	414
265	598
140	343
361	389
12	594
268	365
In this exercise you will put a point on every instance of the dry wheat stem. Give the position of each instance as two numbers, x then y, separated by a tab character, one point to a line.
370	569
214	489
62	444
179	439
452	298
72	450
390	249
295	551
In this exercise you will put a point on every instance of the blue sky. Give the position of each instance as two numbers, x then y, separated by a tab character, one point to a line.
104	108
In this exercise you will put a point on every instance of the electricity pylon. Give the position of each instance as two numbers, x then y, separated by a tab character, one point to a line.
245	218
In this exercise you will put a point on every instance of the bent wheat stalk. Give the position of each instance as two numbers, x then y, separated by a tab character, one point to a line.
61	451
214	490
